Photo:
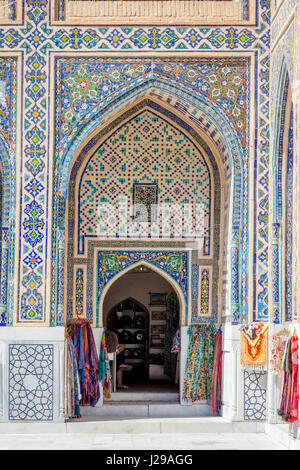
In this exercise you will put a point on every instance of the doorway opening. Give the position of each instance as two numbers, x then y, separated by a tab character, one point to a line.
142	308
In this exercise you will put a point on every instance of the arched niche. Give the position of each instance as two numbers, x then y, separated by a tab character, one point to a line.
282	235
218	135
217	212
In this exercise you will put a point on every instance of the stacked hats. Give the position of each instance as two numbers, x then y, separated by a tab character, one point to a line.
138	353
139	336
125	321
139	321
125	337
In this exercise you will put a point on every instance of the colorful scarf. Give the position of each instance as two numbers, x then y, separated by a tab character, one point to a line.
254	344
278	345
216	382
102	364
87	361
289	393
72	394
176	342
199	366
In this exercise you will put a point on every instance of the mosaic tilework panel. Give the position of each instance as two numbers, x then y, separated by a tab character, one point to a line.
79	295
147	149
31	382
255	385
282	168
145	199
289	224
173	263
203	305
8	124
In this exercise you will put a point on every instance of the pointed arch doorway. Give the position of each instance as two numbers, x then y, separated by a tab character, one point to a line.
142	308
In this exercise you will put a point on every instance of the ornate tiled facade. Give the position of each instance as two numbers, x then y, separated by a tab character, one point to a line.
175	108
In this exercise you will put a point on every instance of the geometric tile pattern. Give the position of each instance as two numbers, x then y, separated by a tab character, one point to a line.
144	201
203	307
8	124
289	224
31	382
79	292
282	167
147	149
255	390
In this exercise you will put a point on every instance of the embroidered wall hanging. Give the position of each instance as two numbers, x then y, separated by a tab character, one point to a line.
254	345
278	344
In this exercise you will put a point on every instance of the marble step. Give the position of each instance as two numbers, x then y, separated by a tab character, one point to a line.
132	409
134	425
191	425
143	397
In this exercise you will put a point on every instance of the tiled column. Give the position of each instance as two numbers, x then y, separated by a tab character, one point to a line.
275	314
4	270
235	310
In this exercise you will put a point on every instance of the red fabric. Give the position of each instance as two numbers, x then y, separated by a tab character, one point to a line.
293	382
215	398
289	398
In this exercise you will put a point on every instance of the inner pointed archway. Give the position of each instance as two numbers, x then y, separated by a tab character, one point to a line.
143	310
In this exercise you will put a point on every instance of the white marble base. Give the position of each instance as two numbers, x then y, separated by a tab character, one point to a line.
281	433
31	375
159	409
117	425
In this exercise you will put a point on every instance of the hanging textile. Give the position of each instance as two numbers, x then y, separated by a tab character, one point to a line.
102	360
278	344
176	342
199	366
104	368
72	394
215	400
172	320
107	382
254	344
289	393
87	361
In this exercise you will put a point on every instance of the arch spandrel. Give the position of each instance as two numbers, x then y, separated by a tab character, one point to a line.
183	300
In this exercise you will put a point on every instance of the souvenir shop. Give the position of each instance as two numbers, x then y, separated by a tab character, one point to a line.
265	354
139	349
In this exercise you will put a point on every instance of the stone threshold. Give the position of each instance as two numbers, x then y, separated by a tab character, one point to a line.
130	425
284	433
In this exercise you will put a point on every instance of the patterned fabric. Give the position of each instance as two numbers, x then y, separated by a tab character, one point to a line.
176	342
87	361
102	363
289	393
215	400
254	345
199	367
172	320
278	345
72	394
